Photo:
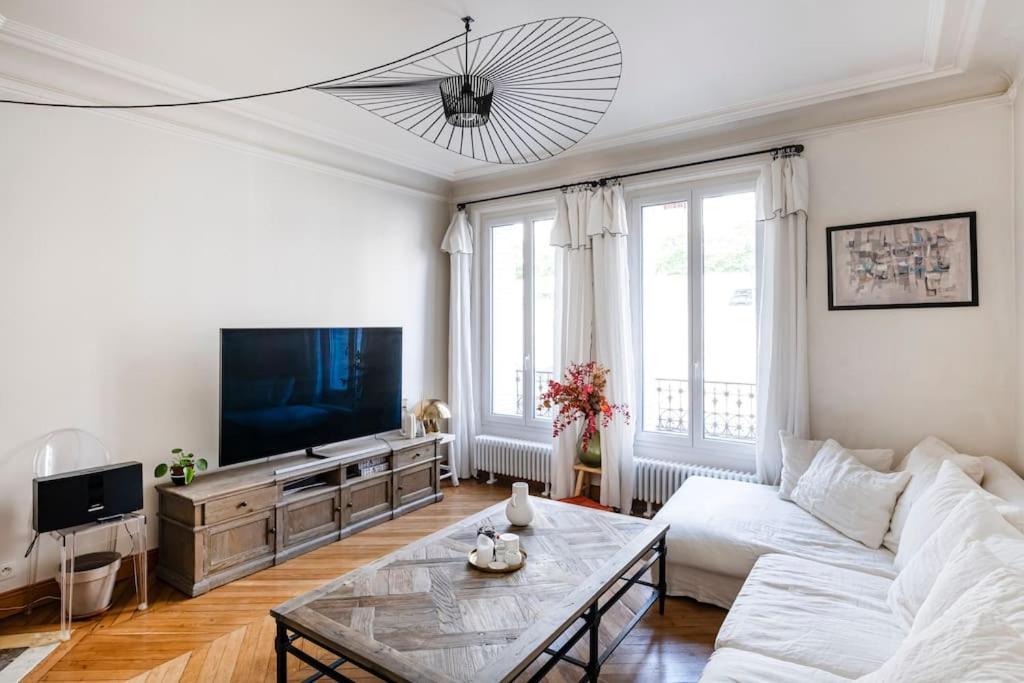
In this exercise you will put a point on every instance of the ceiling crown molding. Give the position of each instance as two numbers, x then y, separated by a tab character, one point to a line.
950	34
55	68
599	169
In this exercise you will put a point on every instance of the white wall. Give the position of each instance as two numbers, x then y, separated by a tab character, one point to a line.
888	378
124	249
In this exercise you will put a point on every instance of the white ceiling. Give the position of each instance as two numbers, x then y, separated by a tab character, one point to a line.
685	62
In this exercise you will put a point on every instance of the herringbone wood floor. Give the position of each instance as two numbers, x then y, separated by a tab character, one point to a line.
227	635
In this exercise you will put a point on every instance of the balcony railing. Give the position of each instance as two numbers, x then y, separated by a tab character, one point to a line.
730	408
540	385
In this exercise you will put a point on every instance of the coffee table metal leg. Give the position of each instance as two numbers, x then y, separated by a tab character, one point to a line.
281	648
661	576
594	662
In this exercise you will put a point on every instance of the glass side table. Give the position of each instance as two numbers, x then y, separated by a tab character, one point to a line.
134	524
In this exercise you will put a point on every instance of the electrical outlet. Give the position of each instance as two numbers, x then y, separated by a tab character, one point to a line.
7	571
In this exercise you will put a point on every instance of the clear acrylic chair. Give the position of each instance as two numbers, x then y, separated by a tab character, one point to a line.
68	450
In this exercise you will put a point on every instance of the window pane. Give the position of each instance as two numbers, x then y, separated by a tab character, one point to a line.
507	319
666	340
730	322
543	310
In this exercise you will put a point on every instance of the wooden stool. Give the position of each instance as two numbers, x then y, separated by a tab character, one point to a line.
582	471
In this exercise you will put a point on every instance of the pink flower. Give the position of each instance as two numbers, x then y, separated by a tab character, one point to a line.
581	397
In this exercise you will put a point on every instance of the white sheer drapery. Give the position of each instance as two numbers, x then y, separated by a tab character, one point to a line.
458	242
593	321
783	401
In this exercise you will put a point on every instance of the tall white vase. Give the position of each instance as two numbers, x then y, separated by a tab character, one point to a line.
519	509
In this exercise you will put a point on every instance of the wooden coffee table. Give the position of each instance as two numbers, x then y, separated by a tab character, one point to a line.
422	614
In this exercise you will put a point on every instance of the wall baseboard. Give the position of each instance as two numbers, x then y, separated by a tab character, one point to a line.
25	595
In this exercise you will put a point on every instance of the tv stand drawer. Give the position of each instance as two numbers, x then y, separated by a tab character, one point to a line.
413	456
230	507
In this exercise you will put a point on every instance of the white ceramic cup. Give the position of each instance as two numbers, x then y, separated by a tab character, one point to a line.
510	543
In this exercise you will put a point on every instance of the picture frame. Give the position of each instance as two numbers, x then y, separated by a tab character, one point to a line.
922	262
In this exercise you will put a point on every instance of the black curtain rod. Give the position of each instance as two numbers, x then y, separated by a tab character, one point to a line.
787	150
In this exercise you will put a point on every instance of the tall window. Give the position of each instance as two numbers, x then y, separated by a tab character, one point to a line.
698	316
520	298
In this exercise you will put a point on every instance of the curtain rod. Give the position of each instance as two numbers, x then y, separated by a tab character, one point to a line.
788	150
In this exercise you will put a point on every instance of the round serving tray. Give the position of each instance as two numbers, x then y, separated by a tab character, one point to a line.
471	558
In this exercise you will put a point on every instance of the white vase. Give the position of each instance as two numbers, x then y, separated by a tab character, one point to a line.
519	509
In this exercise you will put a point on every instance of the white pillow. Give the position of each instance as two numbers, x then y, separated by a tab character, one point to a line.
1001	481
848	495
980	638
947	489
923	463
797	455
969	564
974	517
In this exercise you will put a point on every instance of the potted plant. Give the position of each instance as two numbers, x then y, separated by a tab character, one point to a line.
581	396
182	467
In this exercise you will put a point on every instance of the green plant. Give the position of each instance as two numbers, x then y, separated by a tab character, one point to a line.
182	464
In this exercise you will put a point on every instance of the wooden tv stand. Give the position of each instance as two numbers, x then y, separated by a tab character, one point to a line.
236	521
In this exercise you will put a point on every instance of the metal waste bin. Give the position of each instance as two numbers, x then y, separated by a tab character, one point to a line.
93	583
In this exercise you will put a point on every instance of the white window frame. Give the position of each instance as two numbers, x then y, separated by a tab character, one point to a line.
692	447
525	426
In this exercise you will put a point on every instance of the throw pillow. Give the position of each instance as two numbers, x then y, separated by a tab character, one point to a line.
974	517
849	496
968	565
946	491
980	638
923	463
797	455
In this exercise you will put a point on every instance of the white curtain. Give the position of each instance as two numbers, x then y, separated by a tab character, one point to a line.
782	384
593	321
458	242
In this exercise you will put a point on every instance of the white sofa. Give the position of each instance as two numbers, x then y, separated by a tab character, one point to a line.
806	603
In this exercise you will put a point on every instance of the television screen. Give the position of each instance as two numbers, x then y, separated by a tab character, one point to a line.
285	390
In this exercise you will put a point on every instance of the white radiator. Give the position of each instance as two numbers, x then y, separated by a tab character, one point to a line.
655	480
514	458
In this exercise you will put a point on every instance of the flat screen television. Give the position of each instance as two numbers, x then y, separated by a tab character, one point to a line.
286	390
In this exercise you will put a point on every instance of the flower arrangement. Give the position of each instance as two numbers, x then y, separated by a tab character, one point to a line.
581	396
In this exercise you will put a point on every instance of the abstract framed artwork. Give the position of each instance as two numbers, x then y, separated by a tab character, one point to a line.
906	263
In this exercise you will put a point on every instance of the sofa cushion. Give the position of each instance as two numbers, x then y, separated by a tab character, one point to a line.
729	665
813	614
931	509
798	454
848	495
923	464
969	564
974	517
723	527
1001	481
979	638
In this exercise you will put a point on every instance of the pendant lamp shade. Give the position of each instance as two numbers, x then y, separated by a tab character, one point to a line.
516	96
467	100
